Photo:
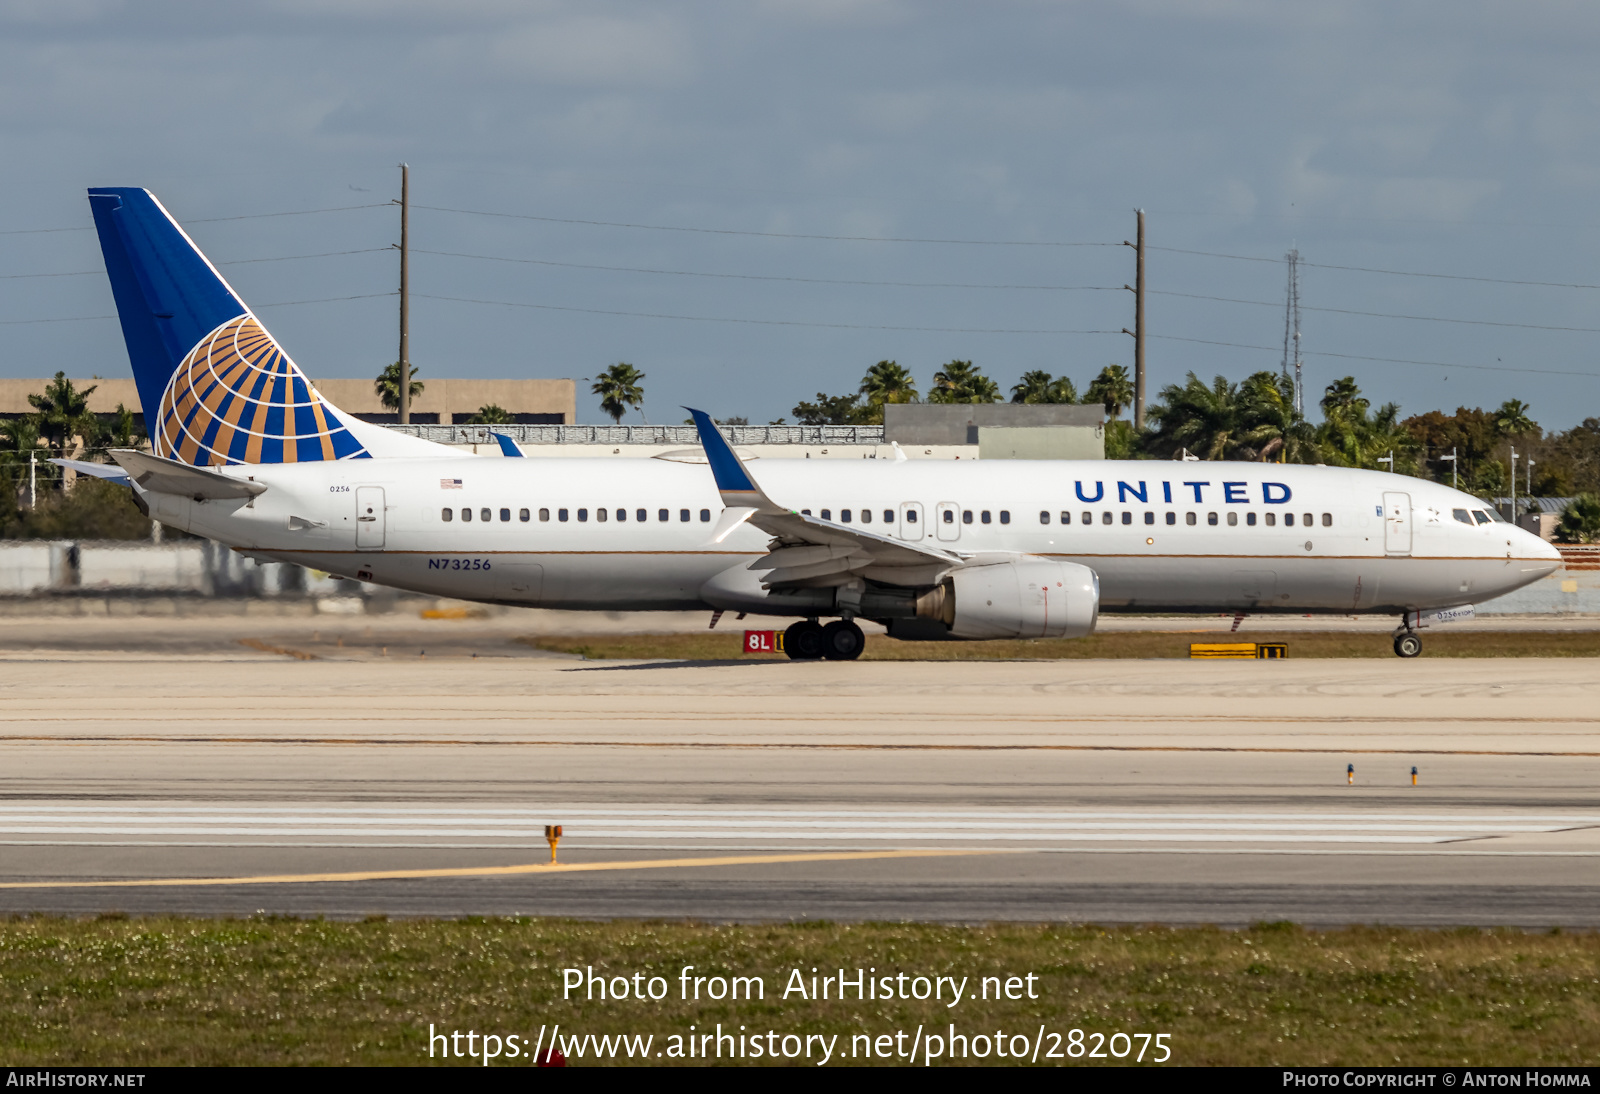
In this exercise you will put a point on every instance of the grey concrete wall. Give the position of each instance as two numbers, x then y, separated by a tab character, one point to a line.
924	423
1049	442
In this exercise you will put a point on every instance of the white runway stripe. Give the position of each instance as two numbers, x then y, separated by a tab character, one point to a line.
589	825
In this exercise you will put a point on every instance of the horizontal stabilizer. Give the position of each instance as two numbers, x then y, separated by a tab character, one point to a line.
171	477
108	471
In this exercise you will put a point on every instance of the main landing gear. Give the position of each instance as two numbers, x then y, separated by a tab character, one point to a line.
1407	644
809	640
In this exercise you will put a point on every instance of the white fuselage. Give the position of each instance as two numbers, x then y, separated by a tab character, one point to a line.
1161	536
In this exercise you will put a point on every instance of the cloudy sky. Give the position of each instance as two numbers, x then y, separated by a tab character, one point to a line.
755	201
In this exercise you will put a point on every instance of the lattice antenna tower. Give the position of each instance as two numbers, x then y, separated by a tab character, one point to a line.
1291	331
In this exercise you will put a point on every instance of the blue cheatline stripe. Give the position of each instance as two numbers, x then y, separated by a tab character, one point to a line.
725	466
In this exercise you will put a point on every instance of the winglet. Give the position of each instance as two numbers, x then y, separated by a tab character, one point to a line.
508	447
733	481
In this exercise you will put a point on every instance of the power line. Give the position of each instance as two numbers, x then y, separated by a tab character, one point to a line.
230	262
1378	270
278	304
210	220
1381	360
755	322
771	277
1380	314
767	235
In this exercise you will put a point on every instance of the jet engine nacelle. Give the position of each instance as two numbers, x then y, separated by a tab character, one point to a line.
1027	599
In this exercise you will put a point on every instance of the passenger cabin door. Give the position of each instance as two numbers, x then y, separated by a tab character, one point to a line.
948	524
1396	523
911	520
369	518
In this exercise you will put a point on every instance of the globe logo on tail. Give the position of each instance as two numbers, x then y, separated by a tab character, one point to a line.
238	398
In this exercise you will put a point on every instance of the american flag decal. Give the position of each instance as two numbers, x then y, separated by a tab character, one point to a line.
449	484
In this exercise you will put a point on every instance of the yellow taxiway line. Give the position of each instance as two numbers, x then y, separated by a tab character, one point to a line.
498	871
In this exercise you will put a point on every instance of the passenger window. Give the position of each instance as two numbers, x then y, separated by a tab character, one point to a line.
524	516
911	517
1211	519
448	515
1288	520
1172	518
561	515
683	514
1250	519
641	516
1088	518
505	514
1066	517
966	516
1105	518
804	512
583	515
1460	514
600	515
1188	518
1149	518
985	516
1127	517
1005	516
866	516
1044	516
663	514
484	513
1271	518
544	514
844	516
705	516
622	514
1233	519
827	514
888	516
1307	521
1327	520
1483	518
466	514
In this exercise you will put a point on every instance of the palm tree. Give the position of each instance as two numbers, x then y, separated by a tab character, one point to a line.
1269	424
1343	394
1204	420
1581	522
1113	388
1033	387
491	414
387	386
887	382
619	388
63	413
1512	420
960	382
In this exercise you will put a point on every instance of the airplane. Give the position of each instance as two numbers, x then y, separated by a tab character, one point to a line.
247	452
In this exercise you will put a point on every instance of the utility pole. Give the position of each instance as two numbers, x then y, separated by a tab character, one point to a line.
1513	484
405	295
1137	288
1291	330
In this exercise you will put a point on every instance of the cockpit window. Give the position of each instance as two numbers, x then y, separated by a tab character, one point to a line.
1495	516
1462	515
1483	518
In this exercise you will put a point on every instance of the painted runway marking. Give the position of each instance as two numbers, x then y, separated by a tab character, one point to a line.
535	868
360	825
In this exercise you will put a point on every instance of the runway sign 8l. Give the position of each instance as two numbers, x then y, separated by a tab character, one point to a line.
763	641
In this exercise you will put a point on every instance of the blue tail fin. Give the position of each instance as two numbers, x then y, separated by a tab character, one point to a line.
216	388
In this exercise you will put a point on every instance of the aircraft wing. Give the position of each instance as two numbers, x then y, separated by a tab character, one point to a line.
805	551
171	477
109	471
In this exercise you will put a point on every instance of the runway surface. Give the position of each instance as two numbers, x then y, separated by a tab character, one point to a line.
229	778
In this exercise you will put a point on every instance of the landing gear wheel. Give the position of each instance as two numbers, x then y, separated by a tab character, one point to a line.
803	641
842	640
1407	645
